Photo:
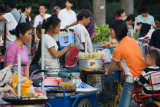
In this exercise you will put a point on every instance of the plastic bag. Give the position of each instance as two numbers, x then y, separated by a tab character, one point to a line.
107	57
148	35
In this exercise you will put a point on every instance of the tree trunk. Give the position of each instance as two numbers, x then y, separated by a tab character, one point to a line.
52	4
99	11
128	6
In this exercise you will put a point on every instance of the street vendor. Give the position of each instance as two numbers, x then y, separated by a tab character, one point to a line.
51	55
84	17
128	56
23	33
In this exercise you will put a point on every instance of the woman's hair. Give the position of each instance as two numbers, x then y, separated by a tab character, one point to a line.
38	28
154	54
157	18
85	4
84	13
143	9
26	5
54	21
120	28
21	28
119	12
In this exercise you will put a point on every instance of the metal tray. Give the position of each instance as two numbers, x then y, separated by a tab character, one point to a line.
92	71
59	91
17	101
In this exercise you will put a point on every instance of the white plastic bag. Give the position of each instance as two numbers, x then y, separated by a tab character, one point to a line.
107	57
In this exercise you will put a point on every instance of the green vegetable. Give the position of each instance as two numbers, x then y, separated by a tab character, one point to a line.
104	33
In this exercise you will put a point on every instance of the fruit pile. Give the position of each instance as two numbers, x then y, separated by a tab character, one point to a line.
104	33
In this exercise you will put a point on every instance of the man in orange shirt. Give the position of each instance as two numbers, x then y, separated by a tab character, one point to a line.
128	56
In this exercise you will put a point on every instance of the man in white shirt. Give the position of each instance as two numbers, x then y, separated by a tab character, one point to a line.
11	24
67	16
39	19
84	17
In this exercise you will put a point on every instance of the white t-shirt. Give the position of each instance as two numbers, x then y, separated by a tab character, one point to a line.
38	20
2	28
67	18
11	24
80	31
49	60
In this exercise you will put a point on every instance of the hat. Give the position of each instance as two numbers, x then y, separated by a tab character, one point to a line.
55	8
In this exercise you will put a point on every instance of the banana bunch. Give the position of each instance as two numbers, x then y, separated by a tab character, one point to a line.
94	55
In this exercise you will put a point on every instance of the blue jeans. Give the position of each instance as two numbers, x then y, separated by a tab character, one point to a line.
74	69
126	95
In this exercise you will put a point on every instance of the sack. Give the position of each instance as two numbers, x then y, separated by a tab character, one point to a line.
6	75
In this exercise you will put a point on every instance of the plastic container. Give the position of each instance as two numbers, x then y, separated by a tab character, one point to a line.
66	39
52	81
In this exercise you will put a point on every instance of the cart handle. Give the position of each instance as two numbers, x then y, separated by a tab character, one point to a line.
56	86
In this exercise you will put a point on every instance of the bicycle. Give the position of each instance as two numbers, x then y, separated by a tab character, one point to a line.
114	90
149	100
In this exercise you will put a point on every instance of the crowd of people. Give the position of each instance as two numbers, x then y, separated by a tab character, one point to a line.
18	31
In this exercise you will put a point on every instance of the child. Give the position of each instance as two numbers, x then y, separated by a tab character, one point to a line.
151	59
84	17
67	16
39	19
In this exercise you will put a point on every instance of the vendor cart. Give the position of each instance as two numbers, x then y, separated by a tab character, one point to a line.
77	100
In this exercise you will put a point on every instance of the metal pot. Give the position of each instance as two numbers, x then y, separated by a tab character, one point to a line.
91	64
53	72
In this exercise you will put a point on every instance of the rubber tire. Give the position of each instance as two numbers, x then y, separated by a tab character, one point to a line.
150	104
84	101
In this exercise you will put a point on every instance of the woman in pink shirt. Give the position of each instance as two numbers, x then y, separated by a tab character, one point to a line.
23	33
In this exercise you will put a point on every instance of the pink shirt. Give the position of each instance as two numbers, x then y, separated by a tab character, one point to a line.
12	52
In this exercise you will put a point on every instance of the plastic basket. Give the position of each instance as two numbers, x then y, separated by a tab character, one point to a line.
24	86
66	39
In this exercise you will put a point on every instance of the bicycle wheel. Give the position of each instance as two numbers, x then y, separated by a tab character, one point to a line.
84	103
151	104
108	103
